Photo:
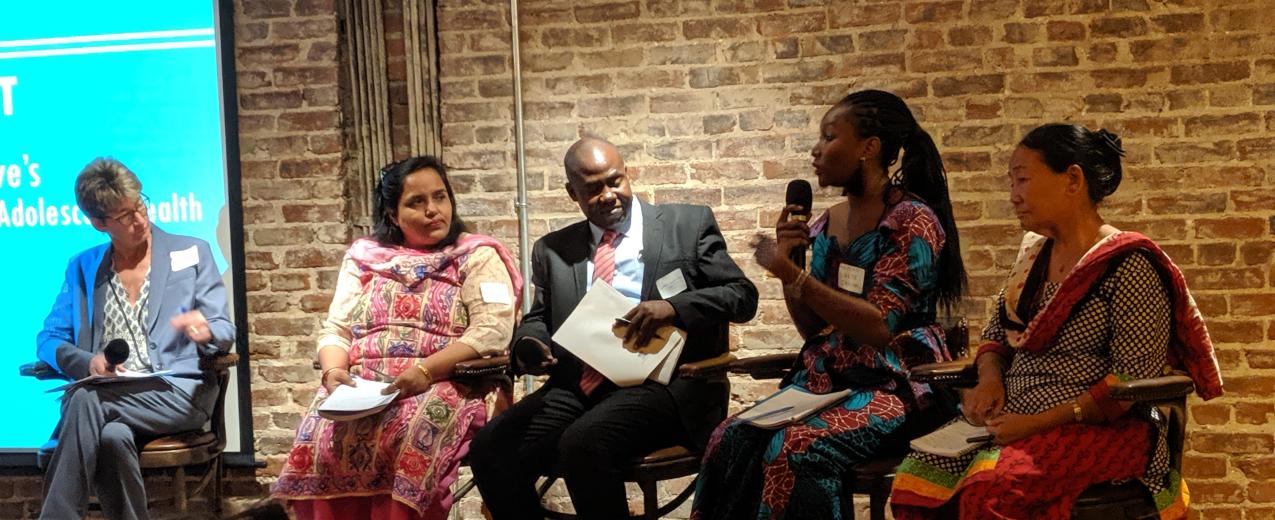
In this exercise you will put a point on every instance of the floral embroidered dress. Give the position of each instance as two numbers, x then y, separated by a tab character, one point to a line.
796	471
1123	313
393	307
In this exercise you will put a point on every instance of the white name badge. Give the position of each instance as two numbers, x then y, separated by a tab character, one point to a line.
183	259
495	292
671	284
850	278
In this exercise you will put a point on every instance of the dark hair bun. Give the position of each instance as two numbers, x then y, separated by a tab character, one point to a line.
1096	153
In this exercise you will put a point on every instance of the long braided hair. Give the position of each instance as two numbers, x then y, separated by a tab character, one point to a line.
880	114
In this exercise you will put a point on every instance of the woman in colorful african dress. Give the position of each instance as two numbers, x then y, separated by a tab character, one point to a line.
411	301
1085	306
882	261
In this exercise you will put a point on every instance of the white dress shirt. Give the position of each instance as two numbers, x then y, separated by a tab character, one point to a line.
628	254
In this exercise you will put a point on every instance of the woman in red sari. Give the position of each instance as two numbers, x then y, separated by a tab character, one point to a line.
1086	305
411	301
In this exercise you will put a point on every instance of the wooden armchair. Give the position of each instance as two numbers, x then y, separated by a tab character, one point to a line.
177	451
492	374
873	477
1123	499
665	464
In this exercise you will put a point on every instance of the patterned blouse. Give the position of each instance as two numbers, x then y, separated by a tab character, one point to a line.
489	316
127	321
1122	328
900	264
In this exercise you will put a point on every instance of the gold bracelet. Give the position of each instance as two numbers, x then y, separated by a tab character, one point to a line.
1077	412
324	378
428	376
793	290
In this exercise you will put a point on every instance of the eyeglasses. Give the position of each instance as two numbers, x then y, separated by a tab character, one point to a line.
127	216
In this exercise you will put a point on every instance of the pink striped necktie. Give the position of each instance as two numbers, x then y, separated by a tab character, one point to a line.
603	269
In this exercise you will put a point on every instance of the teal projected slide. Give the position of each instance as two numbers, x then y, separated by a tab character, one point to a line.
137	80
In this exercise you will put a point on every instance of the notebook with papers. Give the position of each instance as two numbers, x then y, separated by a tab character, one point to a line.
954	439
347	403
792	404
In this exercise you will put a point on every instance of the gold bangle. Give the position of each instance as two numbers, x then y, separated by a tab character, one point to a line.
324	378
793	290
428	376
1077	412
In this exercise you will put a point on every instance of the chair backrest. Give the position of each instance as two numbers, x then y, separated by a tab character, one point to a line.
221	365
958	336
1173	412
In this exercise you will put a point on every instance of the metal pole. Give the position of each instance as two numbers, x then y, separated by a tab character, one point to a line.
520	204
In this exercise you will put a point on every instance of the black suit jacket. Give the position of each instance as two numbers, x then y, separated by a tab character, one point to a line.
674	236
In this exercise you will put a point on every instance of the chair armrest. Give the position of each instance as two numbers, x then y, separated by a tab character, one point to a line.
707	368
481	367
219	361
958	374
772	366
1161	388
39	370
473	368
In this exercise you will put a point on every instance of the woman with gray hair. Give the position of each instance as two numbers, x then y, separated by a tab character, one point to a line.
119	291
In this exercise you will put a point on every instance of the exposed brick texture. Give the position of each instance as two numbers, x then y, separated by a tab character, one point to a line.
716	102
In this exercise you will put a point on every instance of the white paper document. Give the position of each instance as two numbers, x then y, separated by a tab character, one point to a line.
121	376
590	334
789	405
347	403
953	439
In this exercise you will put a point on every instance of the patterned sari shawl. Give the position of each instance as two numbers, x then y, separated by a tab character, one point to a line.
1189	348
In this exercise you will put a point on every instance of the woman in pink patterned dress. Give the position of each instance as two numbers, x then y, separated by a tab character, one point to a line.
411	301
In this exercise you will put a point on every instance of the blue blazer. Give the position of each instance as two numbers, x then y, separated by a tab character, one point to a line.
72	332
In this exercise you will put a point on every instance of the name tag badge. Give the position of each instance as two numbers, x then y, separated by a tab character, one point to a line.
183	259
495	292
850	278
671	284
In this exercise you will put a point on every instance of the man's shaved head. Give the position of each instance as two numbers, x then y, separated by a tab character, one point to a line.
590	155
597	181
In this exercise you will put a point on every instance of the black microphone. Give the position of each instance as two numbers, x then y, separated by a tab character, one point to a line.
799	194
116	352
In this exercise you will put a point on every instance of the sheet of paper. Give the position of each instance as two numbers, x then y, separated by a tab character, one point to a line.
365	395
664	372
952	440
121	376
791	403
590	335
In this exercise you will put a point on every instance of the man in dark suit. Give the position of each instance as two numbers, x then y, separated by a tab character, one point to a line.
671	260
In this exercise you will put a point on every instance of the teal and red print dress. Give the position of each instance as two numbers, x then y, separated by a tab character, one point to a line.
796	472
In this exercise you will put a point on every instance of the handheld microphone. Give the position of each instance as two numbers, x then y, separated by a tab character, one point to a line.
799	194
116	353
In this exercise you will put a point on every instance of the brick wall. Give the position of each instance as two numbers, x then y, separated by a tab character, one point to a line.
295	218
716	102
